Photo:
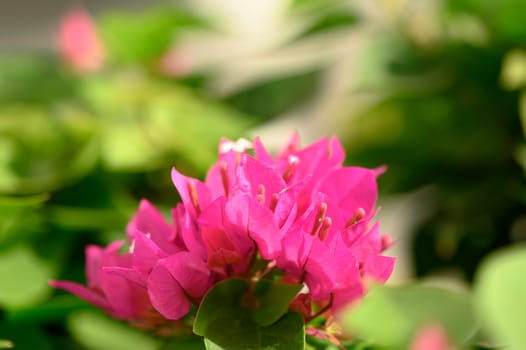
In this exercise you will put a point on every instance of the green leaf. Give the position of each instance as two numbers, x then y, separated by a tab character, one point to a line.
404	310
513	75
85	218
147	124
227	318
223	301
315	343
195	343
277	95
54	309
499	293
43	149
330	18
273	300
6	344
505	17
96	331
20	73
287	333
131	37
522	111
19	220
23	277
22	202
27	336
192	343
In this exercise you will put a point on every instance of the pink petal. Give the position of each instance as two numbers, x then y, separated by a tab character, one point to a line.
309	160
344	296
117	295
193	201
379	267
130	274
252	174
315	333
192	274
220	245
351	188
336	151
145	253
365	243
93	261
82	292
235	213
166	294
261	153
186	227
127	299
111	256
247	221
121	296
291	147
330	266
221	176
297	240
150	221
221	250
263	230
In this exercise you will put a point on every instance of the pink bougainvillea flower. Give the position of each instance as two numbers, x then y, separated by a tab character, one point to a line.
331	245
79	43
177	281
431	337
150	221
302	215
120	297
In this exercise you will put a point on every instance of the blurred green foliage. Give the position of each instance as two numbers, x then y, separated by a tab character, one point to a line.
78	151
405	310
499	296
447	122
148	34
460	136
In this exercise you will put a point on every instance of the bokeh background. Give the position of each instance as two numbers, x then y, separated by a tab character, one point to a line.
430	88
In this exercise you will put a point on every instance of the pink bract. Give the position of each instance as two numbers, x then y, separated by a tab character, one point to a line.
303	213
431	337
79	43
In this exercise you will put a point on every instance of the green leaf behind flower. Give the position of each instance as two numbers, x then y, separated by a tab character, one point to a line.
6	344
499	293
231	317
95	331
391	316
23	277
142	36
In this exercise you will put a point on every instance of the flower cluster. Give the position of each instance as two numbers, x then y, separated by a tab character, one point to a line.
300	217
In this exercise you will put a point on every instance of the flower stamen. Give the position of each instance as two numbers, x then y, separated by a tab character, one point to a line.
273	201
322	210
192	191
386	241
324	230
293	162
260	196
358	215
224	177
